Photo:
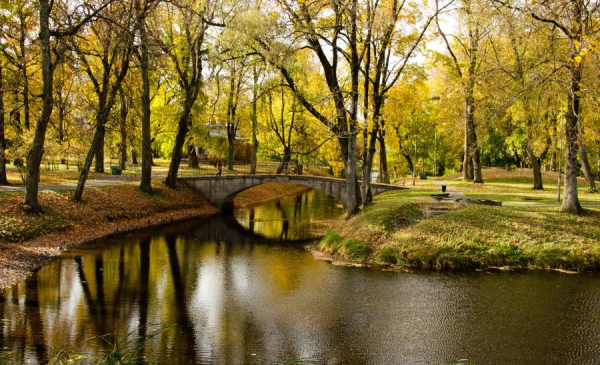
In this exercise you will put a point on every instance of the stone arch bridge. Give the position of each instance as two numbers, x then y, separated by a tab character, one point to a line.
222	190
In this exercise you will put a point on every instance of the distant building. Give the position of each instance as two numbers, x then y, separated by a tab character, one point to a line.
242	146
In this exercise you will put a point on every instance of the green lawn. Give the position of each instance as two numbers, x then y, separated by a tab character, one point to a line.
528	231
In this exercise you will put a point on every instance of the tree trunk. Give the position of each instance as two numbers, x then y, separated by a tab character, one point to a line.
351	181
571	199
585	166
23	66
469	169
15	114
467	172
537	170
134	157
123	128
384	176
598	165
474	172
182	130
146	180
554	154
230	155
408	161
34	157
231	132
254	118
26	98
3	180
285	161
87	164
366	193
193	159
101	131
477	175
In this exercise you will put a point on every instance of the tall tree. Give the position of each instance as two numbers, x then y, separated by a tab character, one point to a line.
283	126
123	114
529	69
256	71
474	18
325	27
18	48
184	46
113	53
237	73
389	46
143	8
578	21
79	16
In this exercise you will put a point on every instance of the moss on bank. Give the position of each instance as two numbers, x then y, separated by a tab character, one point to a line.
398	231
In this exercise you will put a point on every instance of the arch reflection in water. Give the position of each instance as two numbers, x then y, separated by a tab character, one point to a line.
235	298
292	218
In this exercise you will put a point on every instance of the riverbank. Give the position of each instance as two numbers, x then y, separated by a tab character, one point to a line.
28	241
401	230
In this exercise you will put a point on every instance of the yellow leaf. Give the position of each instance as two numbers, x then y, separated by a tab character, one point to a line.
577	60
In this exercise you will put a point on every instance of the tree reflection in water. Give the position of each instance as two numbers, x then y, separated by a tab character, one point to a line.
237	297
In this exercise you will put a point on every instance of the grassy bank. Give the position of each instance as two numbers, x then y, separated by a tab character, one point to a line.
27	240
399	231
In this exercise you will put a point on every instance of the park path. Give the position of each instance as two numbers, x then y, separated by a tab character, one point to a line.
454	193
95	181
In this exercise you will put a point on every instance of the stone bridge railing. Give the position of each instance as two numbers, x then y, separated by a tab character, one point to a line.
221	190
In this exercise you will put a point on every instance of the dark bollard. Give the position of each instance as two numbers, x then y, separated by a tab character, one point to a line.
443	188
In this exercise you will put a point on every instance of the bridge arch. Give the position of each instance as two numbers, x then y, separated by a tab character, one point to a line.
228	201
221	190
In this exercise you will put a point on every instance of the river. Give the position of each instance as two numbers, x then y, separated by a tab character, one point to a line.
241	290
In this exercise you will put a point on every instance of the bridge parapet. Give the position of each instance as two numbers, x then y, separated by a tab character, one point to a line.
221	190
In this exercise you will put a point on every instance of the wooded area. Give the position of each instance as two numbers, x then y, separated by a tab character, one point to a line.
399	87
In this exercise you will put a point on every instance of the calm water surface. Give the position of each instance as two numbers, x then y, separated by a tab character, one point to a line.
235	297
